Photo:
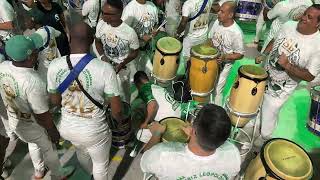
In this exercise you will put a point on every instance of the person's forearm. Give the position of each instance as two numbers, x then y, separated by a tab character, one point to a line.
152	109
269	47
132	55
99	46
155	139
45	120
233	56
298	72
182	27
6	25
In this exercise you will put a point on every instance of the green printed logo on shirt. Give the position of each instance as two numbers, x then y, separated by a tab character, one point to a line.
205	175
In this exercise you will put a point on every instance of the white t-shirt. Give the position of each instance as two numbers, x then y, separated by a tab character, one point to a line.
168	106
6	15
199	26
23	93
223	1
173	9
227	40
286	10
117	41
90	9
317	1
143	18
50	52
169	161
98	78
303	51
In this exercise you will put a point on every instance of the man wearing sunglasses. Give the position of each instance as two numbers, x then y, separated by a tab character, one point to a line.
207	154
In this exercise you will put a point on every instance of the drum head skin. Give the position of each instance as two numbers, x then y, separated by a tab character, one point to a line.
204	51
169	45
254	72
287	160
174	132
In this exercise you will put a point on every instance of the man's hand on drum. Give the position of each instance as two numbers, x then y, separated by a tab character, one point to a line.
261	58
221	58
283	61
156	128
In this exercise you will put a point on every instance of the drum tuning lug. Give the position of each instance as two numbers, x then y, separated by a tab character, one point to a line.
254	91
162	61
236	85
204	69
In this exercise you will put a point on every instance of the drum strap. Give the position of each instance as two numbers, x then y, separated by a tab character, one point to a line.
203	6
74	73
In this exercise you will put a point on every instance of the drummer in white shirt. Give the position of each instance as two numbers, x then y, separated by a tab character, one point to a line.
207	154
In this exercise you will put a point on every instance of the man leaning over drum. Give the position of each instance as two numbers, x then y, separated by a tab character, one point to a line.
227	37
292	56
207	155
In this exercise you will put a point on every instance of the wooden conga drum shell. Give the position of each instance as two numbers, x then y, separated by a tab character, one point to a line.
174	132
247	92
166	59
203	70
200	99
280	159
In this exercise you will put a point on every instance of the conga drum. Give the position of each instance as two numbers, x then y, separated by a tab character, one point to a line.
174	132
248	10
121	132
203	72
280	159
314	116
246	94
166	59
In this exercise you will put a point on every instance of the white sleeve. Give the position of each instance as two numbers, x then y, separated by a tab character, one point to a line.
275	11
134	44
238	44
111	87
52	85
151	161
55	32
6	12
37	96
186	10
87	5
126	16
313	65
210	33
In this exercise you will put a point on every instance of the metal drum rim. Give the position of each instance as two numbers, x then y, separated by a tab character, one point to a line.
204	57
278	174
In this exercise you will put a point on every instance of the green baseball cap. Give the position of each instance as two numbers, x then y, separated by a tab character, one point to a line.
19	47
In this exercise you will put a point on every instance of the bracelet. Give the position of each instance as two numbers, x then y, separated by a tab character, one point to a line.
157	134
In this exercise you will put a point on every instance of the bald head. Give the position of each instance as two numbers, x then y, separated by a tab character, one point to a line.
81	32
230	6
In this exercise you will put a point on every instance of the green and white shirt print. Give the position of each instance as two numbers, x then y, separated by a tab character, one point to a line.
48	53
23	92
143	18
175	161
199	26
117	41
98	78
302	50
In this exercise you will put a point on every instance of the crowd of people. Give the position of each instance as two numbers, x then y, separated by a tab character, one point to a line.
85	69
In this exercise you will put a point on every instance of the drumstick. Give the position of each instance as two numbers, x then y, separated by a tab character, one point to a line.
161	25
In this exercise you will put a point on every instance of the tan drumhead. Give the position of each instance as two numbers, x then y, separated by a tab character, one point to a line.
287	160
169	45
204	51
174	132
253	71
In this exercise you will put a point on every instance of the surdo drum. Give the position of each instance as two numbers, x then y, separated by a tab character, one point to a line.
280	159
248	10
121	132
246	94
314	116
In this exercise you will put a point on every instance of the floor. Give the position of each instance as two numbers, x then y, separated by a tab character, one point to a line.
292	125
